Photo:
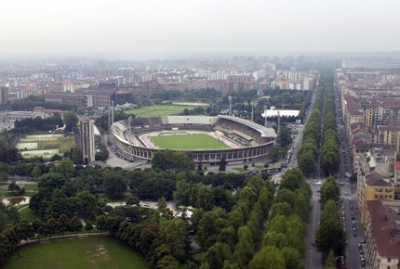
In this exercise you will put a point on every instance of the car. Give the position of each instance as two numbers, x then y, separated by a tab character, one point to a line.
353	218
363	262
362	241
361	251
355	234
359	245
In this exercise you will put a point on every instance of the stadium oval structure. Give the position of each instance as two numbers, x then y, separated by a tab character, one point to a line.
253	140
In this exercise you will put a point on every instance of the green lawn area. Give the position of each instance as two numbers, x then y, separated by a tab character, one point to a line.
158	110
189	142
31	187
27	214
92	252
46	146
239	169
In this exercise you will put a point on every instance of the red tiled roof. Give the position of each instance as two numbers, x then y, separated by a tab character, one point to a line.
385	229
375	179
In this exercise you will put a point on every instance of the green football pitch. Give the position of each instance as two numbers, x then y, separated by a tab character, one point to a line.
187	142
93	252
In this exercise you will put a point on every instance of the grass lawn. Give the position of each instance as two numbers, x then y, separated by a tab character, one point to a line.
239	169
158	110
27	214
31	187
181	142
92	252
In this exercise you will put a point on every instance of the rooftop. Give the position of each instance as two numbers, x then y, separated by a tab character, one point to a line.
385	220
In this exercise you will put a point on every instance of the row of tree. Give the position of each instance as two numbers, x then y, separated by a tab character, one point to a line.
30	102
308	152
283	243
11	237
229	239
330	235
330	154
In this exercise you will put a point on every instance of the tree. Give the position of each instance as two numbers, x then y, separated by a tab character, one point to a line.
269	257
51	226
13	187
88	226
62	224
113	183
132	200
38	226
244	248
24	230
330	261
216	255
70	120
173	234
75	225
209	227
13	214
222	164
51	181
293	259
36	172
66	168
167	262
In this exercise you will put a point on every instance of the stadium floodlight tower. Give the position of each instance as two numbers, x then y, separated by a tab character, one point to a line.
230	105
252	111
265	115
130	138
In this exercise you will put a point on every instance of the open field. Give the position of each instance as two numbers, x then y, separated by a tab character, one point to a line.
43	153
28	146
27	214
92	252
187	142
158	110
45	145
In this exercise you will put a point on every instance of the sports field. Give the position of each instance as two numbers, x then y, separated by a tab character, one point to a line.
44	145
92	252
187	142
158	110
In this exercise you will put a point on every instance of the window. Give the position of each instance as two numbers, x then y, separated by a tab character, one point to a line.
388	261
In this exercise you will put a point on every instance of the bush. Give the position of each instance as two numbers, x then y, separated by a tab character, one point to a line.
88	226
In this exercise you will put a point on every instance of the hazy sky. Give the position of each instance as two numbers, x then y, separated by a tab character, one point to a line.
191	26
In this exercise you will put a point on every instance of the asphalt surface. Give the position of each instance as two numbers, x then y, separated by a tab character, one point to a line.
349	195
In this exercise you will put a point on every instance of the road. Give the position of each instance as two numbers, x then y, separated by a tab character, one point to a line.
313	259
349	195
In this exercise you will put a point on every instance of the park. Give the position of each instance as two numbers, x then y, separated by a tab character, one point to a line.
83	252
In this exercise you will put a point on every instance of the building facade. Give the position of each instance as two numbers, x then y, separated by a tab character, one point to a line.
87	140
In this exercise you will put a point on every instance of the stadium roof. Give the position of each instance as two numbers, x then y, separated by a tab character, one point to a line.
264	131
282	112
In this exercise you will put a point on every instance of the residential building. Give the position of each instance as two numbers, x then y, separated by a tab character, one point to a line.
3	96
375	177
383	234
388	135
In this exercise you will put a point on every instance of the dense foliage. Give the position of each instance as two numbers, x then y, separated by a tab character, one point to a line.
27	126
29	103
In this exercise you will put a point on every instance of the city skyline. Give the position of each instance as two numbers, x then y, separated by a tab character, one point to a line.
165	29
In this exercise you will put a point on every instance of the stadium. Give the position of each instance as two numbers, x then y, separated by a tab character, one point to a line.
206	139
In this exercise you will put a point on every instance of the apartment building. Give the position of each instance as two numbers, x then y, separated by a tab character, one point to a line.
383	234
375	177
388	135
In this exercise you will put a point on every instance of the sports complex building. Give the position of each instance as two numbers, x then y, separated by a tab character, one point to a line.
236	139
